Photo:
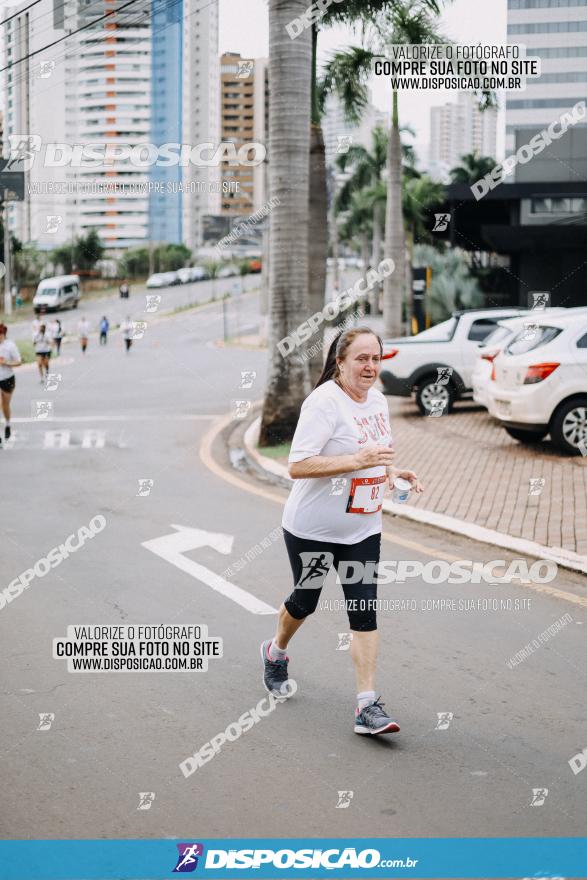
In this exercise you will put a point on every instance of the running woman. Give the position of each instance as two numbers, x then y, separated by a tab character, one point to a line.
341	460
83	328
57	335
9	358
127	329
42	342
104	328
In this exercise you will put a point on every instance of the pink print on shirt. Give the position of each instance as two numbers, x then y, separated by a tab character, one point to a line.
373	426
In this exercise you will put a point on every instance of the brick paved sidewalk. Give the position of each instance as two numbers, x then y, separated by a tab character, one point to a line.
474	471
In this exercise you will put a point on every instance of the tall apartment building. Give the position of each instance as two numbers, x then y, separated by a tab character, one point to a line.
457	128
103	89
185	109
244	107
556	32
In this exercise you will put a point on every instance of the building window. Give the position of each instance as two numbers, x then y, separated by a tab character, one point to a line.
558	205
548	27
544	4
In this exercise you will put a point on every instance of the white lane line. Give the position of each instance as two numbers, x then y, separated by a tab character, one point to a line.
119	418
172	547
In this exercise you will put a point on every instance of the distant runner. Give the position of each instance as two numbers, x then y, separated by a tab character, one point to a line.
343	432
57	335
42	343
127	328
9	358
124	290
104	328
83	329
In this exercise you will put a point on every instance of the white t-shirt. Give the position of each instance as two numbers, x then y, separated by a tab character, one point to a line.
83	328
344	509
9	351
42	343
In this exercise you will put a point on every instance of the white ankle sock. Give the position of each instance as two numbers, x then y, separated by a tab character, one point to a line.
276	653
364	698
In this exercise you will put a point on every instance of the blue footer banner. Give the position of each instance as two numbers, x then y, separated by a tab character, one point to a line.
524	858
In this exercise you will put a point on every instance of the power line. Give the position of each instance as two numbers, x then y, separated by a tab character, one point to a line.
20	11
67	36
103	34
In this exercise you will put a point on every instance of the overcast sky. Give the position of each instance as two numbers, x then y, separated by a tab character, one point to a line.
244	29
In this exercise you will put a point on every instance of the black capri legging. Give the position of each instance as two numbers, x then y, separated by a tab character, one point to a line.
311	561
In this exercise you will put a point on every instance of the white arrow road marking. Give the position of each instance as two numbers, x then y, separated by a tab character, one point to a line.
173	546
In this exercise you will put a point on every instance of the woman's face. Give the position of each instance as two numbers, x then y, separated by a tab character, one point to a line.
361	364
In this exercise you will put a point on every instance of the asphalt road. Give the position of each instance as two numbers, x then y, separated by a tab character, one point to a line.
120	419
116	309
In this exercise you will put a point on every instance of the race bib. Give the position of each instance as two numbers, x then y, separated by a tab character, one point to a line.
366	495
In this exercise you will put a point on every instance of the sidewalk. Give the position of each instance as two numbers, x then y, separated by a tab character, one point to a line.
477	482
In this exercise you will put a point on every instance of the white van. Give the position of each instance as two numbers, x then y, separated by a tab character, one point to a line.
60	292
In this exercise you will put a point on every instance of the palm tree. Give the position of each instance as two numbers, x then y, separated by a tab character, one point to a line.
290	69
345	11
409	23
421	195
403	21
473	166
365	169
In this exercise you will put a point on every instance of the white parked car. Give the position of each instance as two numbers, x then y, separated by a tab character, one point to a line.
198	273
185	275
496	342
437	364
163	279
539	383
157	280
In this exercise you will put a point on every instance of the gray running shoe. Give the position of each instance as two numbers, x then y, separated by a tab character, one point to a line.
275	676
373	719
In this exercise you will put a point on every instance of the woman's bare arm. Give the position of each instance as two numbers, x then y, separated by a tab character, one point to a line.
331	465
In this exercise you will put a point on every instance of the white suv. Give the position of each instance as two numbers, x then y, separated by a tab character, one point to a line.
438	363
539	382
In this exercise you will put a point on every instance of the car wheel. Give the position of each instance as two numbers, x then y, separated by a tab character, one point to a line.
569	427
431	396
526	436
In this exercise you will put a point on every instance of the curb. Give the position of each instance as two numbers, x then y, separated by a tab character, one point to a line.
560	556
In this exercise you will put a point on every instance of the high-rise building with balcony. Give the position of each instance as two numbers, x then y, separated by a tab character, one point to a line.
244	108
130	82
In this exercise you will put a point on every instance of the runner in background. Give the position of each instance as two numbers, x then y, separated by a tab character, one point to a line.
42	343
127	329
343	432
35	328
57	335
124	290
9	358
83	329
104	328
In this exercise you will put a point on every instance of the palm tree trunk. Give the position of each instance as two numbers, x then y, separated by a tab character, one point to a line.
317	242
290	67
376	257
318	223
395	238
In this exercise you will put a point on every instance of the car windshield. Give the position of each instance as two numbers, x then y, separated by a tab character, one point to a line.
530	337
444	331
48	291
